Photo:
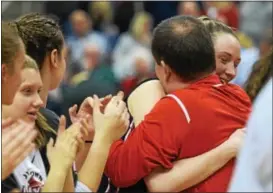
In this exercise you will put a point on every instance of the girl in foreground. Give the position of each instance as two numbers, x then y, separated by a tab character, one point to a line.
44	42
30	175
61	156
15	147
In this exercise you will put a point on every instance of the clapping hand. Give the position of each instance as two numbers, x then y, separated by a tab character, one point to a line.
113	123
17	143
69	142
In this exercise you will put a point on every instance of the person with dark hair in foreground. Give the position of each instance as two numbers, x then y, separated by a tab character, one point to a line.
194	116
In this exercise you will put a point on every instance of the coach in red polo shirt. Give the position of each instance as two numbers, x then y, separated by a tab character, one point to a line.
198	114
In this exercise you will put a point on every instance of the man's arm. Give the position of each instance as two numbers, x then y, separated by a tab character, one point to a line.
191	171
155	142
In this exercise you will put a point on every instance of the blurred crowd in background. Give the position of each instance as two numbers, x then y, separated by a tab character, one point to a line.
108	43
107	48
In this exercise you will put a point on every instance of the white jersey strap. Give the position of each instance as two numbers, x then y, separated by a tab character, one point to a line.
218	85
181	105
129	130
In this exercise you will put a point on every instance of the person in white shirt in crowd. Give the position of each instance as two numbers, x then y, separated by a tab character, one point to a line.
83	35
251	54
138	37
253	22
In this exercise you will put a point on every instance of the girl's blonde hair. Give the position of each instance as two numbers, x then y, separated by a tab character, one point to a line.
30	63
216	27
137	24
41	122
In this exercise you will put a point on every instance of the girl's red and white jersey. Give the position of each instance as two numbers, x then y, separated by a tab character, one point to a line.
31	174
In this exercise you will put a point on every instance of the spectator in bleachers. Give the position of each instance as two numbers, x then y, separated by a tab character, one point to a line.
91	60
226	12
124	12
160	10
255	17
249	55
53	7
143	62
189	8
83	35
230	12
266	43
102	16
95	78
138	37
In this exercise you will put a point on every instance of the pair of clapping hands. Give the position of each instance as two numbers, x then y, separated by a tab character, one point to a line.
105	120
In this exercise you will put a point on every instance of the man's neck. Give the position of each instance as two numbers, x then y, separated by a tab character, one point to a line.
178	84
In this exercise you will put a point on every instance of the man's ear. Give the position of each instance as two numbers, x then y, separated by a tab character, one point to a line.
54	59
167	71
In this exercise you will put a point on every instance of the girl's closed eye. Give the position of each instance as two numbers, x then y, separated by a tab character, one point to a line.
27	91
224	60
236	64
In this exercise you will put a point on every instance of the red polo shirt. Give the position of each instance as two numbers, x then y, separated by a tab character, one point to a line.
205	117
